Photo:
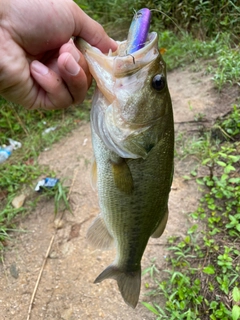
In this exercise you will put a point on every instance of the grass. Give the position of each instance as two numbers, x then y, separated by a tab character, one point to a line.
223	59
188	31
202	279
21	171
202	19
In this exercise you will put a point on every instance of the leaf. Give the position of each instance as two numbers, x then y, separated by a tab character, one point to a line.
224	177
193	173
213	305
200	181
221	163
229	168
236	252
206	161
236	294
234	180
150	308
192	229
209	269
234	158
236	312
187	239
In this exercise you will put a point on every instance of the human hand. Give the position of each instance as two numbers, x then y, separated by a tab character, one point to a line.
39	66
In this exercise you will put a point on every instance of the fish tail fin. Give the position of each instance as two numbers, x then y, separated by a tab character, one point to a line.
129	283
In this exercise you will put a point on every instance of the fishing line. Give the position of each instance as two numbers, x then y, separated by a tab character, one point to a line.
166	15
138	14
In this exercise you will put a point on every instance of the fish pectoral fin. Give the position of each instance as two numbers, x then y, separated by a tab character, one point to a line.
122	176
98	235
94	174
129	283
161	227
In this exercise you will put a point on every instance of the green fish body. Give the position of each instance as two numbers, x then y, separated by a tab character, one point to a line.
133	143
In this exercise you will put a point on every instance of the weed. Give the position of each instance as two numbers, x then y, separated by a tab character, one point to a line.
183	49
230	125
200	18
236	305
21	169
188	31
203	273
59	193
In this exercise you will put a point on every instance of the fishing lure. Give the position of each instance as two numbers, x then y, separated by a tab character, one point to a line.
138	31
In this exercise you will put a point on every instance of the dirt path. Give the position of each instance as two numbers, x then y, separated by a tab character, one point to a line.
66	290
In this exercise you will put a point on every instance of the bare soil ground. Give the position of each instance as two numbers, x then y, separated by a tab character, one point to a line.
66	290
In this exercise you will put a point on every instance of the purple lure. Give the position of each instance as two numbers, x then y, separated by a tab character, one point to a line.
138	31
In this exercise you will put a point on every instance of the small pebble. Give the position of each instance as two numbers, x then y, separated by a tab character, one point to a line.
19	201
53	255
58	223
14	271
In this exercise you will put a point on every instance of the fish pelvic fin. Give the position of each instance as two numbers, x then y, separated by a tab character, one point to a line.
98	235
129	283
161	227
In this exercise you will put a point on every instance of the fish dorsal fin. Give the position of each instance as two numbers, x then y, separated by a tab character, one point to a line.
98	235
122	176
161	227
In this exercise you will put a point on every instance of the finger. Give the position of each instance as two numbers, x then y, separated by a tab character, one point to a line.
71	48
74	76
78	56
91	31
52	92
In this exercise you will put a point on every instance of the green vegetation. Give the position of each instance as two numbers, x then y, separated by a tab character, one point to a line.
188	31
202	280
20	173
203	19
223	57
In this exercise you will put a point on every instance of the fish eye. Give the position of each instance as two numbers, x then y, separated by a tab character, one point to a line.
158	82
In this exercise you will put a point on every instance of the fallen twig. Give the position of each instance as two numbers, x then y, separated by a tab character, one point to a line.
47	253
39	277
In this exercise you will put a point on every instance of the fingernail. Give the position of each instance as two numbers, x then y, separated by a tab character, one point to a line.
72	66
39	67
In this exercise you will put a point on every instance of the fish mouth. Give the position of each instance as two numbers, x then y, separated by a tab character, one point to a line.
106	68
110	61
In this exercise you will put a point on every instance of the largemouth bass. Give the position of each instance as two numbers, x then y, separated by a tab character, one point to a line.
133	143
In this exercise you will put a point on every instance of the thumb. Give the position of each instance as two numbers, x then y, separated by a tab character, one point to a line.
91	31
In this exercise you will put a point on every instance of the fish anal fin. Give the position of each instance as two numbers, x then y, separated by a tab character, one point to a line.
122	176
129	283
98	235
161	227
